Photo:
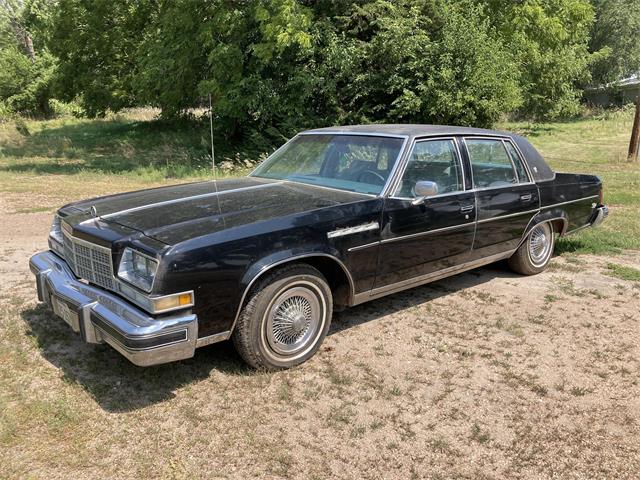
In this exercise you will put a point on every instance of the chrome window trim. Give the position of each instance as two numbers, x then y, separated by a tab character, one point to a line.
521	158
353	134
382	193
405	162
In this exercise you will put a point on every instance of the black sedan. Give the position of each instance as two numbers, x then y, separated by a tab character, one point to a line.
334	218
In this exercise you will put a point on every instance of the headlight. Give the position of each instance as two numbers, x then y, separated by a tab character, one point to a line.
137	269
56	230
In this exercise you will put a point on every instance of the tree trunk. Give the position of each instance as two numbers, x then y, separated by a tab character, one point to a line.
23	38
635	134
28	46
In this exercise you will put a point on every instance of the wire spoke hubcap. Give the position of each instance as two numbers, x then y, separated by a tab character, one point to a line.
293	320
540	244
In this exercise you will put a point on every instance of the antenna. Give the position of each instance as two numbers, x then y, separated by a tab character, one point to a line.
213	163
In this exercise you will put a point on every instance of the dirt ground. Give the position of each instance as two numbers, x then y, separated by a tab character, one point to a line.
483	375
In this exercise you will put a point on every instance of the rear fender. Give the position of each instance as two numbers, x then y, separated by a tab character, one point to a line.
557	216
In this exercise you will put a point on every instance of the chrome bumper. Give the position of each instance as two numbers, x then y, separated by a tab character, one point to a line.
102	317
600	214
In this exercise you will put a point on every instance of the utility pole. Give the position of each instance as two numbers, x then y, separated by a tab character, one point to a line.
635	134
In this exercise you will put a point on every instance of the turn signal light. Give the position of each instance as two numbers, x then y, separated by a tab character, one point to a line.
171	302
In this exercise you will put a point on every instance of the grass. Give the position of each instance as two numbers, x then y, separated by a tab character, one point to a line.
71	158
623	272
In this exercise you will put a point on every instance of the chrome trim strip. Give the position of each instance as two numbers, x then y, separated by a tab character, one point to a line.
211	339
354	134
341	232
486	220
429	277
428	232
266	268
569	201
362	247
183	199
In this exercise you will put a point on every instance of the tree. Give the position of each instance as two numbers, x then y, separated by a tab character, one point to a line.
26	66
97	44
615	34
12	11
549	40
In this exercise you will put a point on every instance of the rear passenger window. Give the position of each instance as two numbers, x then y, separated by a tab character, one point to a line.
517	161
435	161
490	163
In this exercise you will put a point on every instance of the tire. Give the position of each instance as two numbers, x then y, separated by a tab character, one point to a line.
534	254
285	319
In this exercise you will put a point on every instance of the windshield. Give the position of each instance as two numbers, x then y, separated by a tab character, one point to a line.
356	163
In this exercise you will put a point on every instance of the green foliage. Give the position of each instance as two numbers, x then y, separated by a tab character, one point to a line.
615	34
25	86
275	66
97	45
25	75
549	41
416	62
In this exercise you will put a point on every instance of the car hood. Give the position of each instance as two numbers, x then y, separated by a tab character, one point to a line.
182	212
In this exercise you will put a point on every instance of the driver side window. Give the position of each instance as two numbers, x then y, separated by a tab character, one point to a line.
435	161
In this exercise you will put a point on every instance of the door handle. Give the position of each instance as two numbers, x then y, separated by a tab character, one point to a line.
466	208
526	197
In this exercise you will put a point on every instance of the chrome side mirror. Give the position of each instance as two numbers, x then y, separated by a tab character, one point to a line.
424	189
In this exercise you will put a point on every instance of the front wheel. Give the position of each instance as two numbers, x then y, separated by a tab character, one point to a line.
285	318
535	252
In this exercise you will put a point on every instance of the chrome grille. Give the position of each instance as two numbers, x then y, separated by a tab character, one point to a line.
89	261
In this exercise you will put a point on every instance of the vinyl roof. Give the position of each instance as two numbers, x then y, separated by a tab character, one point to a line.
410	130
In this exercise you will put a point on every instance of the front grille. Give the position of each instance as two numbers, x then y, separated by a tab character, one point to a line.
89	261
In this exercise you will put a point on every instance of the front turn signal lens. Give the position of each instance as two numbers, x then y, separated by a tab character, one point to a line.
172	302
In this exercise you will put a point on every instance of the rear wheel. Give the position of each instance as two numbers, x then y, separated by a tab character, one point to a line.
535	252
285	318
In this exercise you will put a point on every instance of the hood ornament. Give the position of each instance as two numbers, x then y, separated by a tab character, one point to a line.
94	212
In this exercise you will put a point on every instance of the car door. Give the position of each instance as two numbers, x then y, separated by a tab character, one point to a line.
506	198
424	236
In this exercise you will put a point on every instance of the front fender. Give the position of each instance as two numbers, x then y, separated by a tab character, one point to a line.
267	262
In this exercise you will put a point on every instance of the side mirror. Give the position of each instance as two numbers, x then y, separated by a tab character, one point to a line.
424	189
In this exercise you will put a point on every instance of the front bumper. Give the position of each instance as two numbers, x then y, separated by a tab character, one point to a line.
102	317
599	215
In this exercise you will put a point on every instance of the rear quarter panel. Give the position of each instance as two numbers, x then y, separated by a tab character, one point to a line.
571	196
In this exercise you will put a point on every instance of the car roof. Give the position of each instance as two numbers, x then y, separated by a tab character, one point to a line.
408	130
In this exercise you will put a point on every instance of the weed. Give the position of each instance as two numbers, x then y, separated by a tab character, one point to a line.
623	272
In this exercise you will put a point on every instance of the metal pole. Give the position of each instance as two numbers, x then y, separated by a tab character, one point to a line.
635	134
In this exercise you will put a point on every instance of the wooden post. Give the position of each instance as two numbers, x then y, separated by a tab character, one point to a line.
635	134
